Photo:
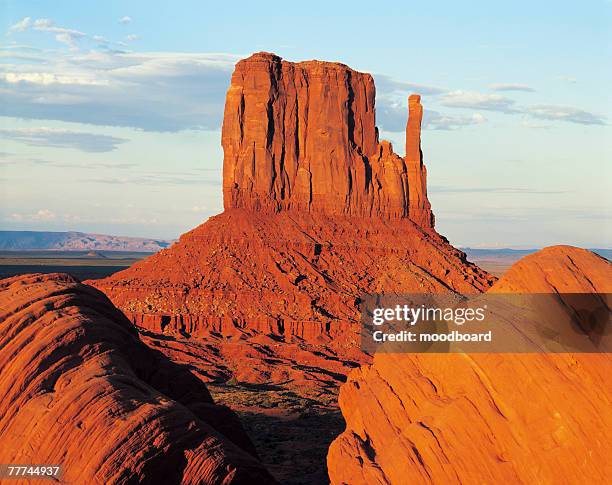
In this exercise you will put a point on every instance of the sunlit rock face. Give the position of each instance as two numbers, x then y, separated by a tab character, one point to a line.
485	418
302	136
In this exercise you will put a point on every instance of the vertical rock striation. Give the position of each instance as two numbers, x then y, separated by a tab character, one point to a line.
302	136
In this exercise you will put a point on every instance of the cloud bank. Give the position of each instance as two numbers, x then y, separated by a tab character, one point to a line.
60	138
165	92
172	91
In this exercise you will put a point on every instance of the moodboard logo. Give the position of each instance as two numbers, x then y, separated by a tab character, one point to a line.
498	323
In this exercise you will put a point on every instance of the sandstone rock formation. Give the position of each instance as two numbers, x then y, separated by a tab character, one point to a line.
302	136
76	241
484	418
79	389
317	212
557	269
419	206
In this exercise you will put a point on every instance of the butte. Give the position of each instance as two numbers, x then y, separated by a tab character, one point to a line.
317	212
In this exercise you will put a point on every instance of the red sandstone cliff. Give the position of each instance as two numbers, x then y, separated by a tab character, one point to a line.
79	389
484	418
302	136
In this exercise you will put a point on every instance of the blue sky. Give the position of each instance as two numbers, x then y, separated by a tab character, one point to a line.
110	111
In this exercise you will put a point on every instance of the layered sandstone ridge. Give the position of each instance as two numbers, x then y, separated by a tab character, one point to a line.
484	418
79	389
302	136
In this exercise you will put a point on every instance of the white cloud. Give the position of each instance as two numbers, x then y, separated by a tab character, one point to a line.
565	113
13	159
198	208
173	91
42	24
496	102
21	26
66	36
156	179
62	34
132	37
41	215
388	85
60	138
434	120
392	115
478	118
569	79
496	190
133	220
152	91
46	78
472	100
532	125
61	99
512	87
125	20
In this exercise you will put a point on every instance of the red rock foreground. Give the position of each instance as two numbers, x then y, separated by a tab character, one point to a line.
485	418
79	389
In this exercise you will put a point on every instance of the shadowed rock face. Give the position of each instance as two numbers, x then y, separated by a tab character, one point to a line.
302	136
484	418
79	389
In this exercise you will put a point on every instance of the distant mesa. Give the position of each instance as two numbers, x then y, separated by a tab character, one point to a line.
79	388
76	241
96	255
